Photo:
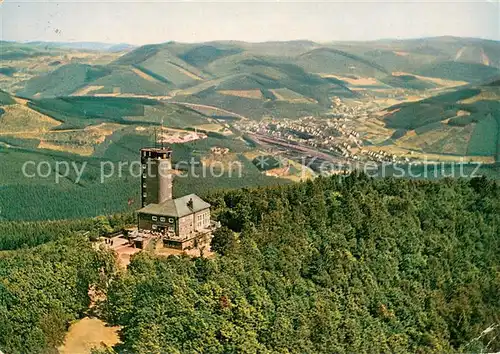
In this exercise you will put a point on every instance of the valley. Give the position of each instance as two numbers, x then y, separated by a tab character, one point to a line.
255	177
318	109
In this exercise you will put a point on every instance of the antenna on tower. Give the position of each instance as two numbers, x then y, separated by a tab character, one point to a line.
162	141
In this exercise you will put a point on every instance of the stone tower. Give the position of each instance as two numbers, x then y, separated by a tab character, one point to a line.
156	179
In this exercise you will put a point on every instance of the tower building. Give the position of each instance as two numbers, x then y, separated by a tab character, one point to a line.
182	223
156	181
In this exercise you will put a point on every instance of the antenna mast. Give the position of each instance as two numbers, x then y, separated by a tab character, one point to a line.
162	141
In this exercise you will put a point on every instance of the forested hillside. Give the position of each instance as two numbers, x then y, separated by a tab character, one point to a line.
331	266
464	121
43	289
350	265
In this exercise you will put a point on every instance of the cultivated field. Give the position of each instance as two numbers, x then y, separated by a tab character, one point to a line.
354	80
284	94
422	156
19	118
436	80
254	94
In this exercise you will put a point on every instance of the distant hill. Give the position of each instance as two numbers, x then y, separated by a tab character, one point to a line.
169	68
465	122
79	112
8	71
202	55
18	51
288	49
408	82
6	98
452	70
268	89
271	78
446	48
410	55
128	80
495	82
414	115
330	60
93	46
63	81
260	73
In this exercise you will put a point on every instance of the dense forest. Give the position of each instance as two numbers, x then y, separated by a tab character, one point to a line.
331	266
44	288
86	197
334	265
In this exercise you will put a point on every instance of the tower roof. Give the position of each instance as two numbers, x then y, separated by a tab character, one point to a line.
157	149
178	207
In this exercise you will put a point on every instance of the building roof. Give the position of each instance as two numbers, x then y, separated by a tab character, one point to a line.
157	149
177	207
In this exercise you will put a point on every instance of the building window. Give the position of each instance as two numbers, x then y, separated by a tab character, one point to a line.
144	195
144	176
162	219
154	218
144	167
144	185
170	220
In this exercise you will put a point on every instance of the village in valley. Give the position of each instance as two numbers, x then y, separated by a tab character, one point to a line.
339	134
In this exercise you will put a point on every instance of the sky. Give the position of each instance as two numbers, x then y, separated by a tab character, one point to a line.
141	22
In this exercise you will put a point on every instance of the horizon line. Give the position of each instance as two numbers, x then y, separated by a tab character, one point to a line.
254	42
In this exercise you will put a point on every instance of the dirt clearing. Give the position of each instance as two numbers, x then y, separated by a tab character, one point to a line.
88	333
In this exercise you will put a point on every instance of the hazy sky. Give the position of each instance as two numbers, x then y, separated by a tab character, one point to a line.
140	22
